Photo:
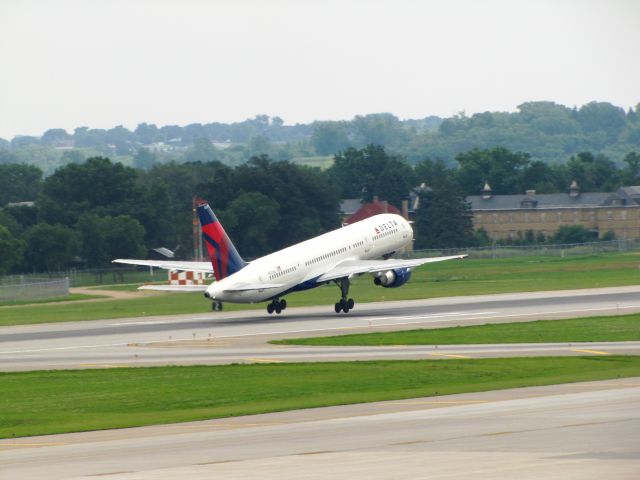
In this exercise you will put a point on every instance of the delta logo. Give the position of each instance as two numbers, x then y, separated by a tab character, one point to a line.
377	231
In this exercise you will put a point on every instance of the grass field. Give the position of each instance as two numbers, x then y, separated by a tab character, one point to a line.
592	329
459	277
67	298
45	402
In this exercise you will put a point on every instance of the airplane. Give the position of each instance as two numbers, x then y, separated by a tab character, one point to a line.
337	256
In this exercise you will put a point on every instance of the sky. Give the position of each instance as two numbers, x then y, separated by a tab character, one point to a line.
102	63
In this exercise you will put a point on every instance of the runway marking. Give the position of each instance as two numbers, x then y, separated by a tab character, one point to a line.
570	385
595	352
450	355
444	402
102	365
263	360
230	425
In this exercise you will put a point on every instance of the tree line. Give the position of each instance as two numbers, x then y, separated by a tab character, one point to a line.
85	214
547	131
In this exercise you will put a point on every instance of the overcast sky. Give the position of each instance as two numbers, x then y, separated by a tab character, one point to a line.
102	63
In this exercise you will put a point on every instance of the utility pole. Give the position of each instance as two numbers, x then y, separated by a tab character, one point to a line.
197	236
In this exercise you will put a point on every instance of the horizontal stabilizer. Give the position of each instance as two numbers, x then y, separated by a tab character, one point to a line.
175	288
184	266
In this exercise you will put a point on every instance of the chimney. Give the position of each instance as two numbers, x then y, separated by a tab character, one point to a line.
375	199
405	209
486	191
385	206
574	190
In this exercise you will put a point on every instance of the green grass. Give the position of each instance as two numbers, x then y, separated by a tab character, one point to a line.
45	402
458	277
67	298
592	329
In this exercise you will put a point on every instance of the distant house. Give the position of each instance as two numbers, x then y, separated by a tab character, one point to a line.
507	216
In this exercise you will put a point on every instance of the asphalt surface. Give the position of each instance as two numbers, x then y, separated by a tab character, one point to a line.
220	337
584	430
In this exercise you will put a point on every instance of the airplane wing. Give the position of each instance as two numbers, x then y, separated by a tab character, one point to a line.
170	264
358	267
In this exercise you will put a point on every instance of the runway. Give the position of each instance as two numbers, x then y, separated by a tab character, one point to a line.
584	430
217	338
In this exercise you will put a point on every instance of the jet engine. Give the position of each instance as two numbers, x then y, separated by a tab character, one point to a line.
393	278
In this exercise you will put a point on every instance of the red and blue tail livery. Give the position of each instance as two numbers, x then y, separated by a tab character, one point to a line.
224	256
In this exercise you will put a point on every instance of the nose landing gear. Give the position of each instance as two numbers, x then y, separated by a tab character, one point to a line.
277	306
216	306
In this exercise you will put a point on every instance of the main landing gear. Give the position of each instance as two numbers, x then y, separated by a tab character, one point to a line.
276	305
345	304
216	306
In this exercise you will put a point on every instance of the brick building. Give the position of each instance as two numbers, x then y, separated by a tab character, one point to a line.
503	216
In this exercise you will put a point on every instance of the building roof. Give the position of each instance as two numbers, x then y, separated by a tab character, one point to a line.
545	200
349	206
370	209
631	193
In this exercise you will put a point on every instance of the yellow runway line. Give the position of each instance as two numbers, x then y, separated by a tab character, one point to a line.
102	365
263	360
450	355
595	352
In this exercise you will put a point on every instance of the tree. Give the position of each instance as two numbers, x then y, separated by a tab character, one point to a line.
50	247
251	220
19	183
54	135
370	172
201	151
98	185
11	250
106	238
444	218
500	167
329	137
308	202
144	159
379	129
631	173
572	234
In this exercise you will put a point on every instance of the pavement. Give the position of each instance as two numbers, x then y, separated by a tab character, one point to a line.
583	430
242	337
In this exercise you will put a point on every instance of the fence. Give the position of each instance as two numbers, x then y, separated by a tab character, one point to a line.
92	277
559	250
34	290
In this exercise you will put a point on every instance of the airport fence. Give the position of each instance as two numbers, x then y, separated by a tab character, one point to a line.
506	251
93	277
33	289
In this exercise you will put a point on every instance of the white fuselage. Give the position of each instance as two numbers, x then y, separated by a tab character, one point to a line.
298	266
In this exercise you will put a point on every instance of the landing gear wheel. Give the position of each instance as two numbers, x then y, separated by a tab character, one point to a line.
216	306
270	308
344	305
283	304
278	308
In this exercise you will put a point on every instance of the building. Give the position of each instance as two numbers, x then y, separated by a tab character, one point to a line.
353	209
509	216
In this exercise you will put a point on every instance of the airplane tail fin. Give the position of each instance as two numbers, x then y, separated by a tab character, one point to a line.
224	256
